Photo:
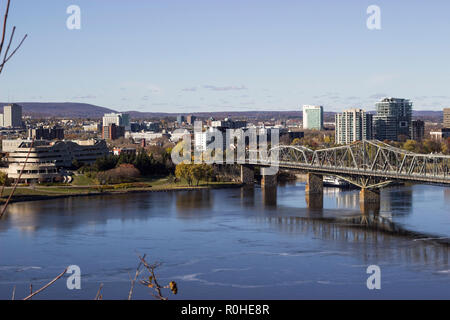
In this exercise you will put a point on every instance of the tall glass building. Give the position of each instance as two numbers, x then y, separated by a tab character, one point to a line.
393	119
313	117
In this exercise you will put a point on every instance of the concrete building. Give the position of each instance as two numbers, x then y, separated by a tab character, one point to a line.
52	133
93	127
180	119
119	151
113	132
446	117
45	158
353	125
147	136
417	130
441	134
119	119
393	119
12	116
213	137
190	119
228	124
313	117
177	136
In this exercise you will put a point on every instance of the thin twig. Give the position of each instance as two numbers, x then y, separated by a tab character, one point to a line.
5	20
13	53
46	286
151	269
99	296
7	57
138	271
17	181
3	186
9	44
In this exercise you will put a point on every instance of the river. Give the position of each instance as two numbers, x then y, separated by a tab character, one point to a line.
238	243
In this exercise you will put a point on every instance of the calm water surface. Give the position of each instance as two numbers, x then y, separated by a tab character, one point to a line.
233	244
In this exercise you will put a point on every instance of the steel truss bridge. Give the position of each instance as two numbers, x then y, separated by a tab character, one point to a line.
366	164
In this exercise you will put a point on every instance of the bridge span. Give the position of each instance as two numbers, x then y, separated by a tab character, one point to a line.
370	165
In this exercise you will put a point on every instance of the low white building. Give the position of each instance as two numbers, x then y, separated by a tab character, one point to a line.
43	160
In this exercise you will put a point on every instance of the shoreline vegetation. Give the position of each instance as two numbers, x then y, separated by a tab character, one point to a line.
83	187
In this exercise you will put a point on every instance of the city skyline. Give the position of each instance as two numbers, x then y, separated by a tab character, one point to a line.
229	56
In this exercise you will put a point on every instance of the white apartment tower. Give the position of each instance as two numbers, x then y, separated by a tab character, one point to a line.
313	117
353	125
119	119
12	116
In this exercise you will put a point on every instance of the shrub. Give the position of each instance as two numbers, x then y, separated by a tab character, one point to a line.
122	174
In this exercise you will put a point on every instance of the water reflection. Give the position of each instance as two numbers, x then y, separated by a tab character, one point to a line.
234	229
375	236
398	199
447	194
269	197
247	196
194	204
344	198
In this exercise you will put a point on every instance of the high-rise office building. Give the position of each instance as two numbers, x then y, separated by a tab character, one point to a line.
119	119
180	119
353	125
12	116
190	119
313	117
393	119
113	132
417	130
446	117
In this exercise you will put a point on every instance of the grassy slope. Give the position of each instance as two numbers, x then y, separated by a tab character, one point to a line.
84	186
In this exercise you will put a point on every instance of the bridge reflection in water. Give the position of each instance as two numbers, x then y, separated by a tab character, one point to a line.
376	233
382	234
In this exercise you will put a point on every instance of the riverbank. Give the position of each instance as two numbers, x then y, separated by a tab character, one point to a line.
38	193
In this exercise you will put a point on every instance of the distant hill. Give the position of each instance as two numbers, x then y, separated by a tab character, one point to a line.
64	110
84	110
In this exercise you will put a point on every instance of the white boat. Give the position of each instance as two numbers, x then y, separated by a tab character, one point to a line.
329	181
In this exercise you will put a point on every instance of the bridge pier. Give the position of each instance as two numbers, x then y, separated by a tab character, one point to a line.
369	201
314	200
369	196
314	183
369	208
247	175
314	191
269	179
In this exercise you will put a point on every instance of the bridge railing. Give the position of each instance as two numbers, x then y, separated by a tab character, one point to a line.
364	157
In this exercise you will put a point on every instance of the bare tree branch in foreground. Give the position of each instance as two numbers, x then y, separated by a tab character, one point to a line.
46	286
99	295
17	181
152	282
133	281
7	56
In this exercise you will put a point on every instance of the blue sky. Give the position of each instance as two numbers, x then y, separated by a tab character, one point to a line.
189	55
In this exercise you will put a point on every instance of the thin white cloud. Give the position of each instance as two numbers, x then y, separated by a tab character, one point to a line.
226	88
